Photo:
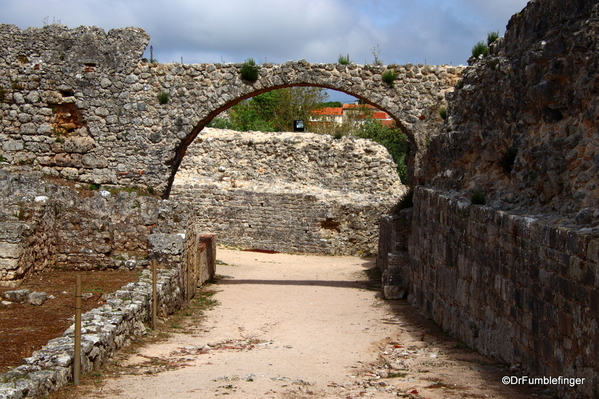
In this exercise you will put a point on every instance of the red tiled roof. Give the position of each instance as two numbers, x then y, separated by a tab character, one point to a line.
380	115
328	111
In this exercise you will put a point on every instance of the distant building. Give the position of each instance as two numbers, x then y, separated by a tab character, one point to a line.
349	114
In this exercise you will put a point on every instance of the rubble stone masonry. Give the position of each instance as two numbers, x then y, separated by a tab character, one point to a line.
81	103
516	278
289	192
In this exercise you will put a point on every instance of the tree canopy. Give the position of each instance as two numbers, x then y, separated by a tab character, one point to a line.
274	111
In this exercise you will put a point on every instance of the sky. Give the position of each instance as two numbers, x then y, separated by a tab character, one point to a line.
212	31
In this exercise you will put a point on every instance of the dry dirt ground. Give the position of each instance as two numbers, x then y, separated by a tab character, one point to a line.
25	328
295	326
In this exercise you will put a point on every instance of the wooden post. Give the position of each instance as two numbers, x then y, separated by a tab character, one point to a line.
154	294
77	354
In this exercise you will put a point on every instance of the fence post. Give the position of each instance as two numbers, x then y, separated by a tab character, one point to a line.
154	294
77	354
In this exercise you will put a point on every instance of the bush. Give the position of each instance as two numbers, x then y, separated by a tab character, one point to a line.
389	77
344	60
221	123
163	98
393	139
479	49
338	135
249	70
477	197
491	37
443	113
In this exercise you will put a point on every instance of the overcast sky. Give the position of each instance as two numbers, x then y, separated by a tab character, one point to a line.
211	31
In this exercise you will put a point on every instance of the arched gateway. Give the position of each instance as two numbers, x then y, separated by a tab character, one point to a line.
79	103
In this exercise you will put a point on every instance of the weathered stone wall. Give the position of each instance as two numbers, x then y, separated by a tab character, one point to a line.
45	224
104	331
514	286
186	261
80	103
517	278
536	92
289	192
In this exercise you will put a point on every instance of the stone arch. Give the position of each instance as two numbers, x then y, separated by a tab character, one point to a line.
416	92
84	116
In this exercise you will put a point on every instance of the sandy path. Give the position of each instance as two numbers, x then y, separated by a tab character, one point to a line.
291	326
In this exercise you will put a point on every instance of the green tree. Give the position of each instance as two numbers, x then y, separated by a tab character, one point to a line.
246	116
393	139
277	109
330	104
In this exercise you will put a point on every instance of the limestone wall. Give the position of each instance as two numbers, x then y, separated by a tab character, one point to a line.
81	104
536	93
289	192
46	224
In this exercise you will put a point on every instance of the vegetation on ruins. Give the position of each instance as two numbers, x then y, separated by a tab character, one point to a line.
389	77
480	49
249	70
163	97
492	37
344	60
274	111
375	53
390	137
478	197
443	113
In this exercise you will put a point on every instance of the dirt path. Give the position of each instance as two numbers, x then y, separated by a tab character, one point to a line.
291	326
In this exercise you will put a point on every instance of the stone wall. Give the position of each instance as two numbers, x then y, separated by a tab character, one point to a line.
536	94
48	224
516	278
104	331
289	192
186	260
517	287
81	104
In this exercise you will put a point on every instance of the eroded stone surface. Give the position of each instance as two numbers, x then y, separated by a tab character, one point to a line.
289	192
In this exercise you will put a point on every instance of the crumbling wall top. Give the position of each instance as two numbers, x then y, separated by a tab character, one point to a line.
118	49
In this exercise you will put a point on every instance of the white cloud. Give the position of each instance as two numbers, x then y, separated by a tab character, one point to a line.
279	30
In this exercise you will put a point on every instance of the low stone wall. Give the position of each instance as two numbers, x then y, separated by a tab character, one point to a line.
43	223
108	328
104	330
520	288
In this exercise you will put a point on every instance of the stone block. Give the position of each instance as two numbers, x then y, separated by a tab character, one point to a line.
80	145
13	145
9	264
171	244
37	298
16	295
10	250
